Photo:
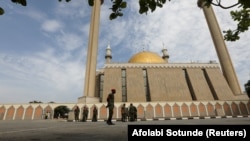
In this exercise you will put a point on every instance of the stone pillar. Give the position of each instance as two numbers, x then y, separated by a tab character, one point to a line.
14	115
90	73
221	49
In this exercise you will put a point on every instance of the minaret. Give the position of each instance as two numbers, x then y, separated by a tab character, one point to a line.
108	55
165	55
90	73
221	49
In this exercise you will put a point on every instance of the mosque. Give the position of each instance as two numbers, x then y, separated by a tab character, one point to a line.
158	89
148	77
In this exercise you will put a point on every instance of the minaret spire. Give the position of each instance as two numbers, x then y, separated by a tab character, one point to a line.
108	55
165	55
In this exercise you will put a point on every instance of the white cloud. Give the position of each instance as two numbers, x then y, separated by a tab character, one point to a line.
69	41
34	14
41	76
52	25
74	9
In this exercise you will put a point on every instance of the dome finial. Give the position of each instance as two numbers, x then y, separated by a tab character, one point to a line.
165	53
143	47
108	47
163	45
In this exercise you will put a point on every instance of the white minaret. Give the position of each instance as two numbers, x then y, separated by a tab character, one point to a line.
108	55
221	49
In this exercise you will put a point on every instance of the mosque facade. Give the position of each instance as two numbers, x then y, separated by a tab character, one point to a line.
160	91
148	77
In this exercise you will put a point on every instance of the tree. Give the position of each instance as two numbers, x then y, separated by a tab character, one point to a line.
241	16
35	101
247	88
61	111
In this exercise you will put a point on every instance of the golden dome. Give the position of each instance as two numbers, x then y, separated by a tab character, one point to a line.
146	57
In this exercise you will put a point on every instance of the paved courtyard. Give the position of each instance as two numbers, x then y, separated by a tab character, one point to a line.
61	130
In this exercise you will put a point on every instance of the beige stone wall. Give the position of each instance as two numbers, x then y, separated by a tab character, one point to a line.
135	85
168	85
168	82
112	80
219	85
157	80
199	85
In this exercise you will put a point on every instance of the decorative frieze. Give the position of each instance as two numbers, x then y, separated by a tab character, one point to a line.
162	65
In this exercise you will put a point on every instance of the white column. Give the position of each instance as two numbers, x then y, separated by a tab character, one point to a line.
24	112
14	115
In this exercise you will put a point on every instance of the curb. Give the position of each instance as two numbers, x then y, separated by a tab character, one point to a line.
202	117
176	118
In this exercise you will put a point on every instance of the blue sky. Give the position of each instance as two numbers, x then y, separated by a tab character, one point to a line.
43	45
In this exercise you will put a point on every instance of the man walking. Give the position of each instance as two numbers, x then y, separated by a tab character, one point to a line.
111	100
132	112
76	112
123	112
85	113
95	112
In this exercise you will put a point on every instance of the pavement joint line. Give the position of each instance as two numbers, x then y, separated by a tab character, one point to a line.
33	129
169	118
